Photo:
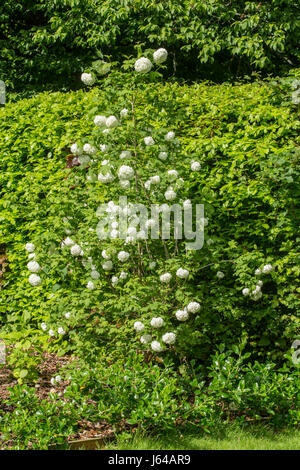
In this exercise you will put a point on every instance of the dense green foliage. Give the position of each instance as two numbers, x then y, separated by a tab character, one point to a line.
246	141
46	43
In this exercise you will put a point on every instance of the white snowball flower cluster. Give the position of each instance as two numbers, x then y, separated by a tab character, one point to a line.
160	55
76	250
114	280
61	331
105	178
105	255
246	291
126	172
88	148
169	338
125	184
166	277
35	280
51	332
124	112
193	307
29	247
100	120
296	97
195	166
95	275
75	149
90	285
44	326
67	315
173	174
123	275
267	269
220	275
33	266
87	78
170	194
163	155
156	346
182	315
149	141
170	136
107	265
157	322
123	256
67	242
143	65
182	273
138	326
145	339
112	122
125	154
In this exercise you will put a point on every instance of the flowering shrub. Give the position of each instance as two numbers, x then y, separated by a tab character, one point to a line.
232	149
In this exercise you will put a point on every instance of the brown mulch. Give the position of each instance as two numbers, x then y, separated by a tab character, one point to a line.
47	369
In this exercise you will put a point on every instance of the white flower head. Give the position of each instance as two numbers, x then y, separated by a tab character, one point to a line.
100	121
169	338
166	277
105	255
87	78
157	322
182	315
193	307
149	141
195	166
155	179
51	332
33	266
68	242
245	291
61	331
267	268
143	65
173	174
35	280
125	184
114	280
182	273
29	247
44	326
67	315
160	55
123	256
163	155
257	272
124	112
170	136
112	122
95	275
220	275
156	346
31	256
107	265
145	339
138	326
126	172
187	204
125	154
170	194
89	149
76	250
123	275
75	149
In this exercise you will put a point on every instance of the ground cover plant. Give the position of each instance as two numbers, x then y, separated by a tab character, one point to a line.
165	336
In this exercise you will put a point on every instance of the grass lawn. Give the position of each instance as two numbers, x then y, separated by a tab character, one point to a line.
229	437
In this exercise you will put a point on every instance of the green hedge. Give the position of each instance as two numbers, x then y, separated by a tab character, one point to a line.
246	141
